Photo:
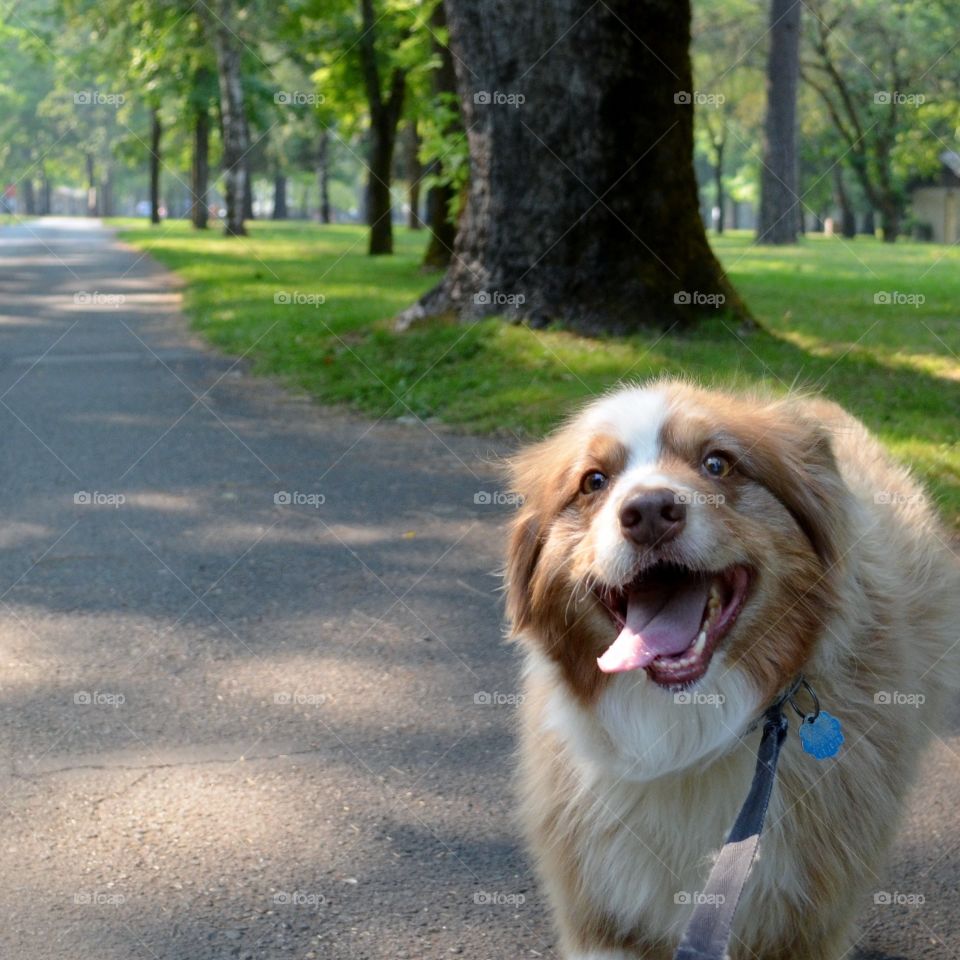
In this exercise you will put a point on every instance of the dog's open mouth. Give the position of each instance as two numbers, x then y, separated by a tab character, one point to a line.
671	620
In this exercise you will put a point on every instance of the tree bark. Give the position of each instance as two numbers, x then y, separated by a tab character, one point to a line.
779	202
323	176
156	131
236	135
200	170
574	215
414	173
443	230
384	117
279	197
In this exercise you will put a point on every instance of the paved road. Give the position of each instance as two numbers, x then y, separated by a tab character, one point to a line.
231	727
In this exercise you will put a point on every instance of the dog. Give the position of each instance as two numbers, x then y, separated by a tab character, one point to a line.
680	556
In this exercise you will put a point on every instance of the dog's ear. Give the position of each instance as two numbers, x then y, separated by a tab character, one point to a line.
793	458
539	476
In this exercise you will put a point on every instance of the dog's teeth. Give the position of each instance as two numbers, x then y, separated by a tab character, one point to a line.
698	647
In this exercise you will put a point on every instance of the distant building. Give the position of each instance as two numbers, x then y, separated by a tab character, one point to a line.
936	205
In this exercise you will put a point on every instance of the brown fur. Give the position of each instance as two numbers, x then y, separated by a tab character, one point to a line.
859	593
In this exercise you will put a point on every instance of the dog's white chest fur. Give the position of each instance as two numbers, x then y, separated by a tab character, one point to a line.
659	801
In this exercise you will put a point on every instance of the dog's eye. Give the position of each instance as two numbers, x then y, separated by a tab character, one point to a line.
717	465
593	481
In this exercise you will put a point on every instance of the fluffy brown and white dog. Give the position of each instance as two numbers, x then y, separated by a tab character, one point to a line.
681	555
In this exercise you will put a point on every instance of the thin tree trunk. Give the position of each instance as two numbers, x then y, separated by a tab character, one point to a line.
779	205
92	193
156	131
323	176
279	197
414	173
848	218
28	196
384	117
236	135
869	227
46	191
718	147
200	169
443	230
574	216
106	192
248	195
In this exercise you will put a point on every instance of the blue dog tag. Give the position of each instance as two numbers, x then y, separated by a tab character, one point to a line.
821	738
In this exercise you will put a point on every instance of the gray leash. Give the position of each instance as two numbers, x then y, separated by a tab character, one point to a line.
708	933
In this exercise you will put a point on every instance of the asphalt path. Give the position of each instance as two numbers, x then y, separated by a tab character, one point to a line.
254	696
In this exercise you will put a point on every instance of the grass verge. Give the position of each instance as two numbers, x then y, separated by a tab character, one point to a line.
875	327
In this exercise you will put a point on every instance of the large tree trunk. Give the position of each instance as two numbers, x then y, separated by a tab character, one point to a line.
779	203
156	131
384	117
200	170
414	174
279	197
582	206
236	135
443	230
323	176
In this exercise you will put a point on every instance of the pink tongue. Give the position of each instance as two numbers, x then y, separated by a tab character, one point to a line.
657	626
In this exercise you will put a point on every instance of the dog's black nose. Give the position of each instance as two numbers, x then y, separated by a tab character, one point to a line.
653	517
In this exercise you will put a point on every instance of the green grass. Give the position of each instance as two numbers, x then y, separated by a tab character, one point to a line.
895	366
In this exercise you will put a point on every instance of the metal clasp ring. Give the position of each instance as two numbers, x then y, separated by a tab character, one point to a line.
801	681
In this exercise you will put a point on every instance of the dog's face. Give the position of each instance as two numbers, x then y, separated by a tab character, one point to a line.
681	534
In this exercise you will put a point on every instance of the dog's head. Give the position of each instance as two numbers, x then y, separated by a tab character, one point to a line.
679	533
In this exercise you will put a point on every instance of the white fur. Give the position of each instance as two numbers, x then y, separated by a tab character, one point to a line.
638	731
